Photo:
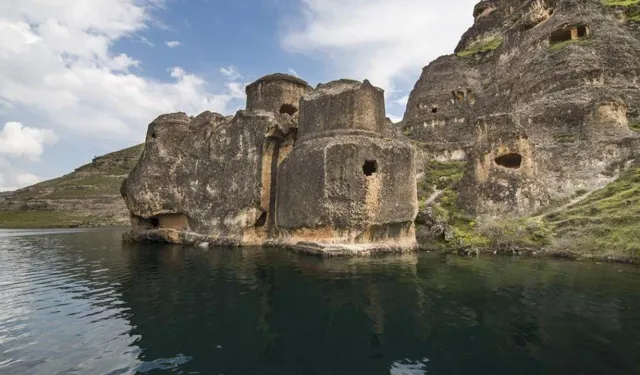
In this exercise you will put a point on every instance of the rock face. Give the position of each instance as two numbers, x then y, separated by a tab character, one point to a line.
336	183
542	99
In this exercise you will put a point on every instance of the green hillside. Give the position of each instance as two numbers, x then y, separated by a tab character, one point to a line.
87	197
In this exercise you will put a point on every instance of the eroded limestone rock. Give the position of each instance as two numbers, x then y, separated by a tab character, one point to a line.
339	183
541	98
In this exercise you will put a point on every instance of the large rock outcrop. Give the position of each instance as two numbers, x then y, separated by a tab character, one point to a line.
541	99
312	169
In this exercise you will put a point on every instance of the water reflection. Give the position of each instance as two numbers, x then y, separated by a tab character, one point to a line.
84	303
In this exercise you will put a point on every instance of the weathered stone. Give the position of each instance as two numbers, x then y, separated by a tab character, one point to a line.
540	99
339	184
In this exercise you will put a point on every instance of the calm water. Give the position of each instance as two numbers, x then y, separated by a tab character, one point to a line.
82	303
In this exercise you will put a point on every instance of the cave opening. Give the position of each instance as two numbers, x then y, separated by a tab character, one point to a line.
288	109
434	110
155	222
569	33
560	36
582	31
262	220
370	167
511	161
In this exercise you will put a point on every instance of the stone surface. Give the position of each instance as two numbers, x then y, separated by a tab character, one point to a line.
336	183
552	82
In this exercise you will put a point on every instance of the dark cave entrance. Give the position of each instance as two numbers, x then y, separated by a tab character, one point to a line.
262	220
370	167
511	161
569	33
582	31
560	36
288	109
155	222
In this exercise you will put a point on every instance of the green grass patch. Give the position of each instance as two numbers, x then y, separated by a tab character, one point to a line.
438	175
624	3
482	46
561	45
564	138
635	126
606	222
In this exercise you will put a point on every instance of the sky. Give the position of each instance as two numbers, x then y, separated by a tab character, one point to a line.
81	78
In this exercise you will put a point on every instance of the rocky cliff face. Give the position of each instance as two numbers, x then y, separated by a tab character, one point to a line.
541	100
313	169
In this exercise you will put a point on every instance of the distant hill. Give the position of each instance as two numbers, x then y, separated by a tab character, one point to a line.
87	197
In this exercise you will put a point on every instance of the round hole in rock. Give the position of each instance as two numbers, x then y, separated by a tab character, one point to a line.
288	109
434	110
512	161
370	167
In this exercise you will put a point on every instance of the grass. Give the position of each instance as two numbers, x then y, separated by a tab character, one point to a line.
561	45
635	126
624	3
606	222
49	219
564	138
485	45
633	13
77	197
603	225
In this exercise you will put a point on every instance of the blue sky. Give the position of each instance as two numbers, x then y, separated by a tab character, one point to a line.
80	78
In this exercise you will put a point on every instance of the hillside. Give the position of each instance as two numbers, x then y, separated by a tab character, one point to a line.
87	197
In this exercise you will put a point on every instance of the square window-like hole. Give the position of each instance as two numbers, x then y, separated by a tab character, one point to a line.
370	167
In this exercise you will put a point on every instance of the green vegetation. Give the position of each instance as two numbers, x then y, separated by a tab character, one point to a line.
600	225
484	45
87	197
564	138
605	224
632	8
51	219
561	45
624	3
635	126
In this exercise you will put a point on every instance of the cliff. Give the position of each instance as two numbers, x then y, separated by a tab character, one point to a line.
539	106
86	197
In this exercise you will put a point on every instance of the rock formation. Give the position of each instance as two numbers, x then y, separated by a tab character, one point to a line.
317	170
541	99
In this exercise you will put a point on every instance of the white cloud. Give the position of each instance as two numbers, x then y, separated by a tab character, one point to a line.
13	180
57	62
26	179
231	72
381	40
17	140
293	72
173	43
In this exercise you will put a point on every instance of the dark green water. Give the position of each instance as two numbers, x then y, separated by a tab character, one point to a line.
82	303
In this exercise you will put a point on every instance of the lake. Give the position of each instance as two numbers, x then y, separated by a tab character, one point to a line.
80	302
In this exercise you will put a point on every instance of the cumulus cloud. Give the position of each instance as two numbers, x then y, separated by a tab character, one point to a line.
17	140
381	40
173	43
57	61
